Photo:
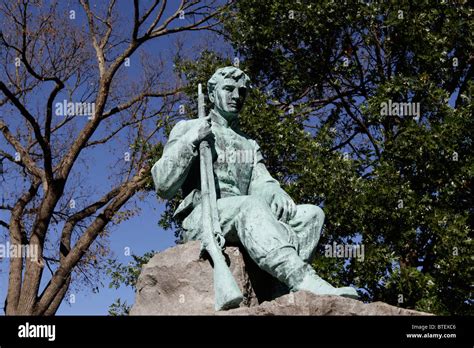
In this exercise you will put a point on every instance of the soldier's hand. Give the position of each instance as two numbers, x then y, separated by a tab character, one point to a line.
283	207
200	131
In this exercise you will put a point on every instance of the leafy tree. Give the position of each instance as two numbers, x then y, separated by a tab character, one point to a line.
79	53
399	185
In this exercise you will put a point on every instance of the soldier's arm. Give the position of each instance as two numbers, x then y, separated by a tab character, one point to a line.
171	170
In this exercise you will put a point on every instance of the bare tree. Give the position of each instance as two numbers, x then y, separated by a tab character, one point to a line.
48	53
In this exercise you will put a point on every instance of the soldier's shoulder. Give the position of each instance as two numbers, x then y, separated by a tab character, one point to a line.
183	125
186	123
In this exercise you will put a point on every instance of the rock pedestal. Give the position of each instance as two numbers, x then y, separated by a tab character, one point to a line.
177	282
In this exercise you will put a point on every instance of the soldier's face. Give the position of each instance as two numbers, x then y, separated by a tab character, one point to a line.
230	96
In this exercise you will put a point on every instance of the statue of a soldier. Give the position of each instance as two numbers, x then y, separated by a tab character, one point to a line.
253	209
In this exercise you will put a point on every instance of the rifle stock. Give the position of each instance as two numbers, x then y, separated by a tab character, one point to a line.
226	291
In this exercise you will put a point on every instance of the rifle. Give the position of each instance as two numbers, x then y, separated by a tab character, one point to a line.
226	291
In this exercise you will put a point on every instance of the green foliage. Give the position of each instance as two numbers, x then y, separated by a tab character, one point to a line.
125	274
119	308
400	186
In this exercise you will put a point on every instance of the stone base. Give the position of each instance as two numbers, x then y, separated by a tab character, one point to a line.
306	303
177	282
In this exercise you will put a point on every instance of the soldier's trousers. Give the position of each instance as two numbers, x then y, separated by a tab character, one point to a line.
282	249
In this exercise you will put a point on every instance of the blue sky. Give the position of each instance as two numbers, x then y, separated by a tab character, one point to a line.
140	233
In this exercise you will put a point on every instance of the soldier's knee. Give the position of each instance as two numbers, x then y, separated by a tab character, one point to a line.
319	214
309	212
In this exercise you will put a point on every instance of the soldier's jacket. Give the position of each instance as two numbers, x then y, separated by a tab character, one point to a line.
237	162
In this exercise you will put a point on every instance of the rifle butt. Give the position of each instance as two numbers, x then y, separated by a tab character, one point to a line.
227	293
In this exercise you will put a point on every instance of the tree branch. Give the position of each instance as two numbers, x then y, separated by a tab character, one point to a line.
63	272
25	157
16	238
356	119
137	99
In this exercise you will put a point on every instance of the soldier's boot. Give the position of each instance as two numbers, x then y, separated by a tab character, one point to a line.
315	284
286	265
